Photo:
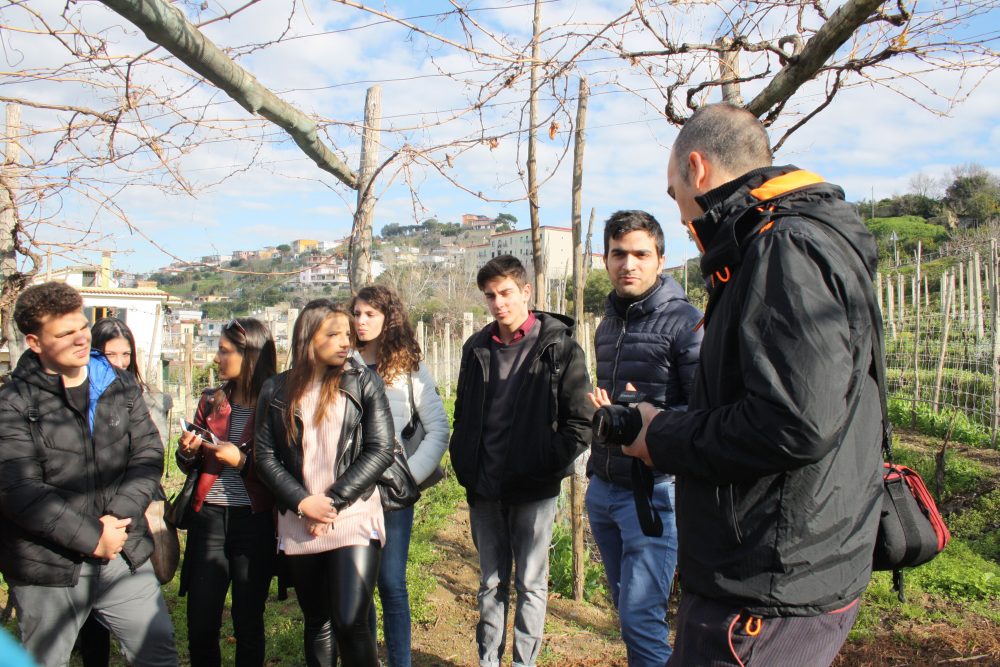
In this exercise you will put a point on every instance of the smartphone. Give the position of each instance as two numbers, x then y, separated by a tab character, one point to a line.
205	435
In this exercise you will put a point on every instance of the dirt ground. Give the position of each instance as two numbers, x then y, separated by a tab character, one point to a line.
576	635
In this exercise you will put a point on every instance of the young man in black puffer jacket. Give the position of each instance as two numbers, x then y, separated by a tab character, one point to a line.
80	461
649	339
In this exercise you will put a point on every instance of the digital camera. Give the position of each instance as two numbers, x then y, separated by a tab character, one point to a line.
620	422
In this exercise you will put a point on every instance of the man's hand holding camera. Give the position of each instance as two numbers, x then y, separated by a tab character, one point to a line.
616	422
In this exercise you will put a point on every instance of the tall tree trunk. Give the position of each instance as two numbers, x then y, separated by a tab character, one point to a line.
579	281
729	72
536	232
361	232
12	281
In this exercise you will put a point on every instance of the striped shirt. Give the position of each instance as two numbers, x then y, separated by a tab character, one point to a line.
228	488
357	524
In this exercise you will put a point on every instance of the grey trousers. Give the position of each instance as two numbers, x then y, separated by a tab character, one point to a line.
507	535
717	634
130	605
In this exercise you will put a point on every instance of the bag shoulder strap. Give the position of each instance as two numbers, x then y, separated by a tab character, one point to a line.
413	405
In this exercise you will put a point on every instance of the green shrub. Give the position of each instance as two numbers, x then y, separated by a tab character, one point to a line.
959	574
938	424
961	475
909	229
561	566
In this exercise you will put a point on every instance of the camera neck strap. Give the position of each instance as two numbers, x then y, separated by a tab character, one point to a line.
642	493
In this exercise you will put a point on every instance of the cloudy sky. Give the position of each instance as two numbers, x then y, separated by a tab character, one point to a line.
258	189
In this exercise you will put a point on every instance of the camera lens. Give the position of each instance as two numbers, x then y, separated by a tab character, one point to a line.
616	425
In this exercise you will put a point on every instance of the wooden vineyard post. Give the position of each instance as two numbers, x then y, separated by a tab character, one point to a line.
961	291
890	299
878	292
946	299
972	296
467	322
995	312
979	296
577	486
434	363
901	294
447	359
916	338
361	231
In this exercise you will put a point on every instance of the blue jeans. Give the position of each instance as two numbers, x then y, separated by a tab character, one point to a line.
505	536
392	588
640	569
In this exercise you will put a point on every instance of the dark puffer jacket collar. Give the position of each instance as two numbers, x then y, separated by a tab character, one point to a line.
665	291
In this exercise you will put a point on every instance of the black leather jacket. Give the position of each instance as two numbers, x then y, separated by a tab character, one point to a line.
364	452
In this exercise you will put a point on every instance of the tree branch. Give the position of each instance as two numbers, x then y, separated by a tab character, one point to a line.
842	24
166	26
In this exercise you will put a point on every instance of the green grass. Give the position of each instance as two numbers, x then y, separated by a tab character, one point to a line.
436	505
962	475
962	428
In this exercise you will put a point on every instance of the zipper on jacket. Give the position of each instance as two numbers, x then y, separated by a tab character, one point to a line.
513	415
614	377
732	510
89	452
352	430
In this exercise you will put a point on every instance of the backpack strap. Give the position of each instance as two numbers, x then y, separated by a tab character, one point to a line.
34	420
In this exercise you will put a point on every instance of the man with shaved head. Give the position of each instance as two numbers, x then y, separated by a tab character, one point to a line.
777	458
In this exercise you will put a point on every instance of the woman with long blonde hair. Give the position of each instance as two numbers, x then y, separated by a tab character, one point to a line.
324	438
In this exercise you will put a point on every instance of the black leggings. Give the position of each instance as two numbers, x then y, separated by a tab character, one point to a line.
334	590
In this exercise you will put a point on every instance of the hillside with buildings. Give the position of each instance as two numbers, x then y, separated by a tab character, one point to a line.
178	310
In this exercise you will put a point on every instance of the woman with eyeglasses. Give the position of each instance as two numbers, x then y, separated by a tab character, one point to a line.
230	540
324	438
388	346
115	341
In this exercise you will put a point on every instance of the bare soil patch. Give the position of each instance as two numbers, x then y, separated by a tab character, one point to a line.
576	634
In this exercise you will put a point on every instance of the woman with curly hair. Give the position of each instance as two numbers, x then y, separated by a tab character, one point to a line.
388	346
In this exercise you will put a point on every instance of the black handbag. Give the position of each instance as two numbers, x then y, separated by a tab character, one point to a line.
911	530
178	508
397	487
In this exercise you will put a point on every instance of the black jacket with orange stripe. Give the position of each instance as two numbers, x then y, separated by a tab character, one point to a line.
778	482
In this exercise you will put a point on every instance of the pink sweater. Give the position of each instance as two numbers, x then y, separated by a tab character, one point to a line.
356	524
